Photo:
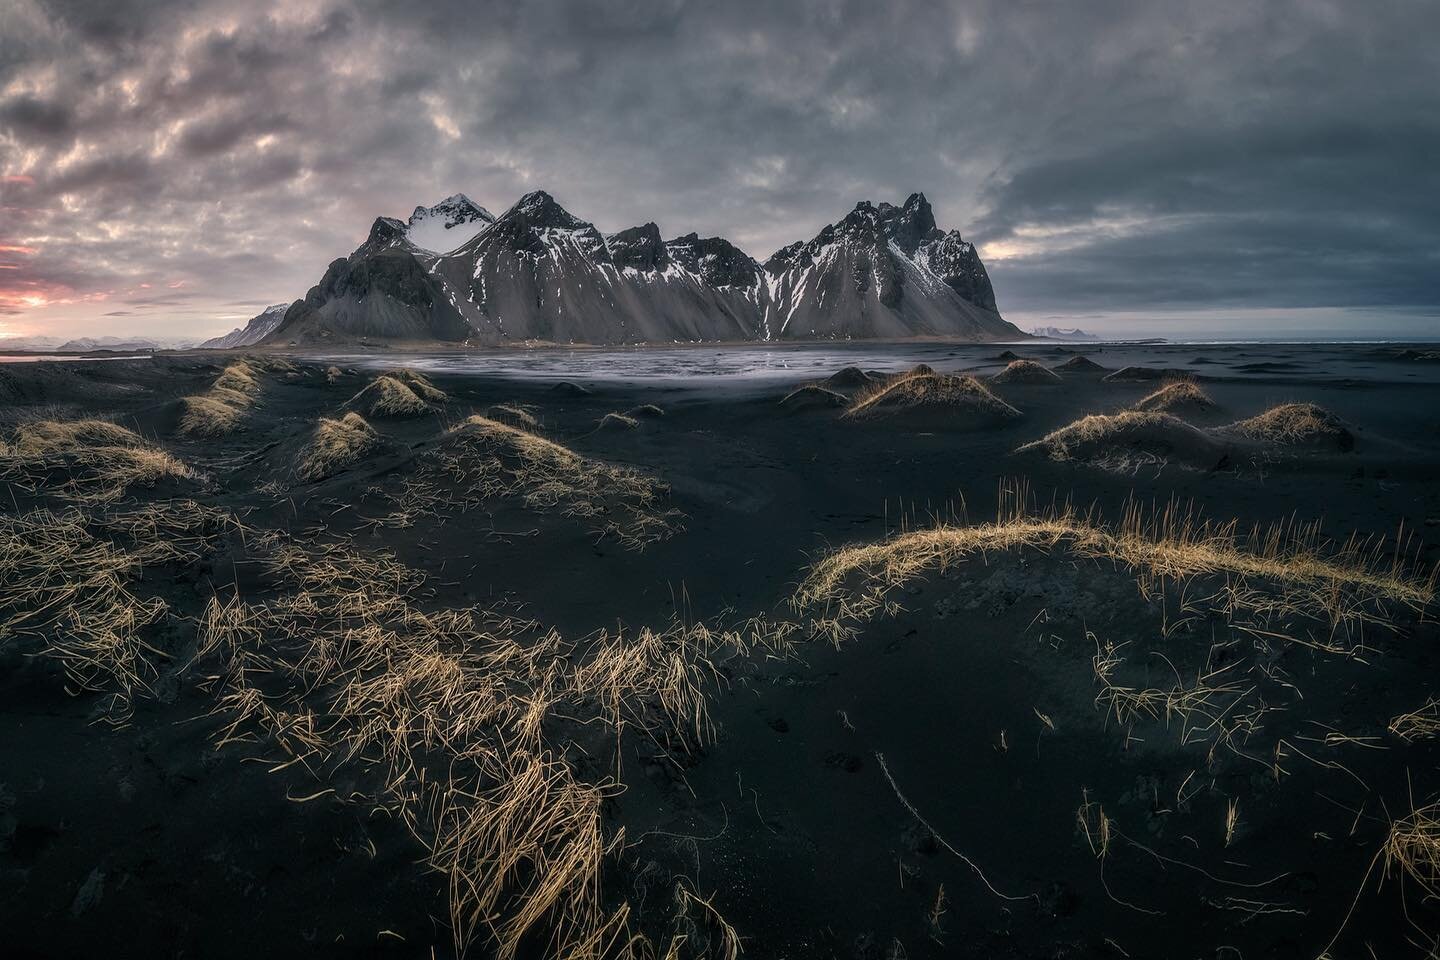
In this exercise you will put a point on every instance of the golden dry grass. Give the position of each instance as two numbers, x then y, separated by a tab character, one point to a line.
1419	724
514	415
421	385
482	458
335	445
1026	371
1128	439
470	721
386	396
965	398
1302	572
1294	424
85	460
1179	395
224	407
69	589
617	421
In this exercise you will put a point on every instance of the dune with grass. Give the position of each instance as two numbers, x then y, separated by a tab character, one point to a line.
940	401
1130	439
1026	371
335	445
225	406
1180	396
1294	425
481	459
85	459
1080	364
388	396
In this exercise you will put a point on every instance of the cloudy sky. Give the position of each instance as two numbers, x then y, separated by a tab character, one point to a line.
170	167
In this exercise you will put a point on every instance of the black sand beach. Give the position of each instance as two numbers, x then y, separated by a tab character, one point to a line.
1050	714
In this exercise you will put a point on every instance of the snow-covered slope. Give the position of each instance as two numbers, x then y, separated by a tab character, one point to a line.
540	273
258	328
448	224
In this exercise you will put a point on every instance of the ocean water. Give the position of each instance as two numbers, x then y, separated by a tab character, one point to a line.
757	364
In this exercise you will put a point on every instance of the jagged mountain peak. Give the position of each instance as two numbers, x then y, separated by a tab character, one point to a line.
385	231
540	210
638	247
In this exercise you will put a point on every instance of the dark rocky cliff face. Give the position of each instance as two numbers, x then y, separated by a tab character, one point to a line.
539	272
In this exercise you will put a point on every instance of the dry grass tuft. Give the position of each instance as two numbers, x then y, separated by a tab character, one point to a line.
1294	424
334	374
1180	395
223	408
421	385
1301	573
1421	724
85	460
483	458
335	445
386	396
616	421
964	400
1026	371
514	415
1129	439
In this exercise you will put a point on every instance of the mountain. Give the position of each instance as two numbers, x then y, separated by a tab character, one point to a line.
127	344
1060	333
538	272
257	329
448	224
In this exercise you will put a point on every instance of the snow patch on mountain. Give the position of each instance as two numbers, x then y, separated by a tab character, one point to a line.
449	224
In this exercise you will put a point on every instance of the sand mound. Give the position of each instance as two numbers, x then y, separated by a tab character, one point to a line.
1007	356
569	388
336	445
813	397
1026	371
849	378
385	396
646	411
1180	395
1146	374
616	422
1080	364
224	407
85	459
420	385
943	401
481	459
1128	439
1294	425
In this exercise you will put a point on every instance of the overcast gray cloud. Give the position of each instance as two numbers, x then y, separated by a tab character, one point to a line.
171	167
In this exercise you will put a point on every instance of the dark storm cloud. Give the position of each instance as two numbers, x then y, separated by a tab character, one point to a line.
1108	156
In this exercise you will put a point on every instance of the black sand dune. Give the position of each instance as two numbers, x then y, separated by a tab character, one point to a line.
851	684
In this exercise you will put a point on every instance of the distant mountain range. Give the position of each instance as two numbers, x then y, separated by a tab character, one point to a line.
91	344
1060	333
455	273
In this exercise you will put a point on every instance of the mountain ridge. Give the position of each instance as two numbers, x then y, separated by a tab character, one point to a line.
540	273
